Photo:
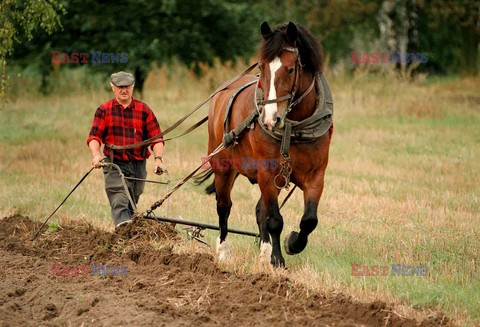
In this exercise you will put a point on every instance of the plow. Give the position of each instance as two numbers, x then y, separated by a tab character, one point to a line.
195	230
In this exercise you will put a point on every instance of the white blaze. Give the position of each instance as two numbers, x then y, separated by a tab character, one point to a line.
271	108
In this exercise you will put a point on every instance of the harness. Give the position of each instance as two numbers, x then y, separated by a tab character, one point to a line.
307	130
231	137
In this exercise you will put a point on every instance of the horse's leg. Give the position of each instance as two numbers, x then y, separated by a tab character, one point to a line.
223	186
296	242
265	245
270	216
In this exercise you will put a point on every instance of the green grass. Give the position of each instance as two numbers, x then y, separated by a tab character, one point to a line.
402	186
52	228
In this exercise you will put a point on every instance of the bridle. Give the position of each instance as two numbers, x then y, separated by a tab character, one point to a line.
293	91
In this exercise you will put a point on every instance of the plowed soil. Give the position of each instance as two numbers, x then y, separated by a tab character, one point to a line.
162	288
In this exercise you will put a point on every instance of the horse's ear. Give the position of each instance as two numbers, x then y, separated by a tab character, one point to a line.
265	30
291	33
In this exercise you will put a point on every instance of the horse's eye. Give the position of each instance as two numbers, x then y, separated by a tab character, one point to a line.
290	70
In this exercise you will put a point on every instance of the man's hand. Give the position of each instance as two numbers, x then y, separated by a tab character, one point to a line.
96	160
159	167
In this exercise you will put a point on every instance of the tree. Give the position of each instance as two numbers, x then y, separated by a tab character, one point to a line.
20	19
456	23
334	23
448	30
399	29
150	31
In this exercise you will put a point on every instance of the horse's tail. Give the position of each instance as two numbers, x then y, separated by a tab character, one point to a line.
202	177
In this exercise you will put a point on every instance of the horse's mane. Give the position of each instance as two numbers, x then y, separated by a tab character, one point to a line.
309	48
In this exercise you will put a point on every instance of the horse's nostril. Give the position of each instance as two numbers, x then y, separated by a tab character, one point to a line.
277	120
269	123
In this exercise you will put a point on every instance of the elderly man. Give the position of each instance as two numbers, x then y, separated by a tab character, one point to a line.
124	121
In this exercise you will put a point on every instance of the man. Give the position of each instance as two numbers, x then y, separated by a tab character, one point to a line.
124	121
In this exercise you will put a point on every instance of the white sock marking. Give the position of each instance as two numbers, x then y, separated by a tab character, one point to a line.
223	250
265	252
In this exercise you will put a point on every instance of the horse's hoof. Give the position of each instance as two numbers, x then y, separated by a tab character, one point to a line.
278	263
291	244
288	243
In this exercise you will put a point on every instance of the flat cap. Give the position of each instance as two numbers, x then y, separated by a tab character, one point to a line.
122	79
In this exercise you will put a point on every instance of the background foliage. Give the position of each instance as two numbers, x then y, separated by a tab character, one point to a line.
195	33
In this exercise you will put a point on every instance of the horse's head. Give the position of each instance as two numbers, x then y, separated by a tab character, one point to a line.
281	68
278	72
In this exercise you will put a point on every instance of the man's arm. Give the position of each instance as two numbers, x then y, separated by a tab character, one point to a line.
95	135
94	147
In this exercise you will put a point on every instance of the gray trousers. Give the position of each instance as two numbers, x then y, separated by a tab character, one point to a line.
119	203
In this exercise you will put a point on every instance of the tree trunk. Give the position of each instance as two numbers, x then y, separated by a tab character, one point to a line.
399	28
470	42
139	80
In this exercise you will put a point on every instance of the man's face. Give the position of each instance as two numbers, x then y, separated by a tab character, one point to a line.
123	93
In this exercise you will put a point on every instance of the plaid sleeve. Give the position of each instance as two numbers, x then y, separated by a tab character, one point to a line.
153	128
98	126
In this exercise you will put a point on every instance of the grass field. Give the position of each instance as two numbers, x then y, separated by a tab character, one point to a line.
402	186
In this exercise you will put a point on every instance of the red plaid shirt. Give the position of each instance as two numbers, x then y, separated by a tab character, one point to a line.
114	124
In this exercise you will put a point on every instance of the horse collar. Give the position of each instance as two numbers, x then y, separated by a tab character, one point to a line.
310	128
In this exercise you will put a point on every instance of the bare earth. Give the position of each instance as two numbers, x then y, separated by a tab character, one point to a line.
162	288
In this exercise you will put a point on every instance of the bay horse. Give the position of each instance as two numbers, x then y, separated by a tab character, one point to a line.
287	92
